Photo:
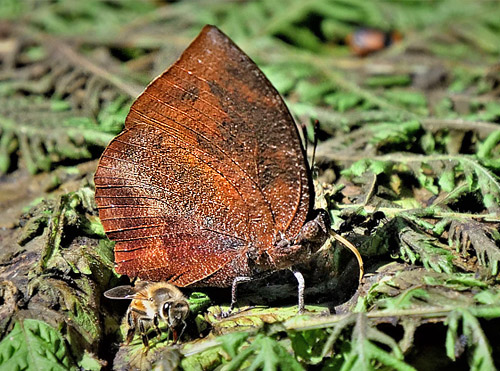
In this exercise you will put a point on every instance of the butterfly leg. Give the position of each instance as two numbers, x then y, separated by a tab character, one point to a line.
234	287
301	287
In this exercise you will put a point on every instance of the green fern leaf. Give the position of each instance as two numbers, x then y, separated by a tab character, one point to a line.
263	353
418	247
44	137
364	351
473	338
34	345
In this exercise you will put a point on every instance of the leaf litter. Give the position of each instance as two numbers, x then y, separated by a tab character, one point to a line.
410	132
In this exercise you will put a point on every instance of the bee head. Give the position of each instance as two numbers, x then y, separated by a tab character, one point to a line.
174	312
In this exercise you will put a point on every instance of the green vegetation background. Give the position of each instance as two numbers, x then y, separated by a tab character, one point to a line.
412	131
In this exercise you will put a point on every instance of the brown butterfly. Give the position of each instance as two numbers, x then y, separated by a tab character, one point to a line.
208	185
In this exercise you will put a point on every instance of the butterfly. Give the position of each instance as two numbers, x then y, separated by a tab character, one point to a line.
208	184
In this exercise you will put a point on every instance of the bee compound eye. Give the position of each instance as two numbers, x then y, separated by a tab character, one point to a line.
166	309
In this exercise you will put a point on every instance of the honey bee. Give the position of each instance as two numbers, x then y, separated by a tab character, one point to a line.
152	302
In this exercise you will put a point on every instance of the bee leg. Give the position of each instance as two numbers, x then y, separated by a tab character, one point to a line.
174	332
144	336
156	323
132	326
130	335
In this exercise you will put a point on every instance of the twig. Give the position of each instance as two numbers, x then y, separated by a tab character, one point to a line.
131	89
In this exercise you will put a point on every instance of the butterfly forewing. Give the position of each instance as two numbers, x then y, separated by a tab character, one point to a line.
209	166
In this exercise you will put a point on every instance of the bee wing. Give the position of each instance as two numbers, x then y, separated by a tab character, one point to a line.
124	292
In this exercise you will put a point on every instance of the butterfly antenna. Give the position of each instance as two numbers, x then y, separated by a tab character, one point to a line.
355	251
315	143
303	128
